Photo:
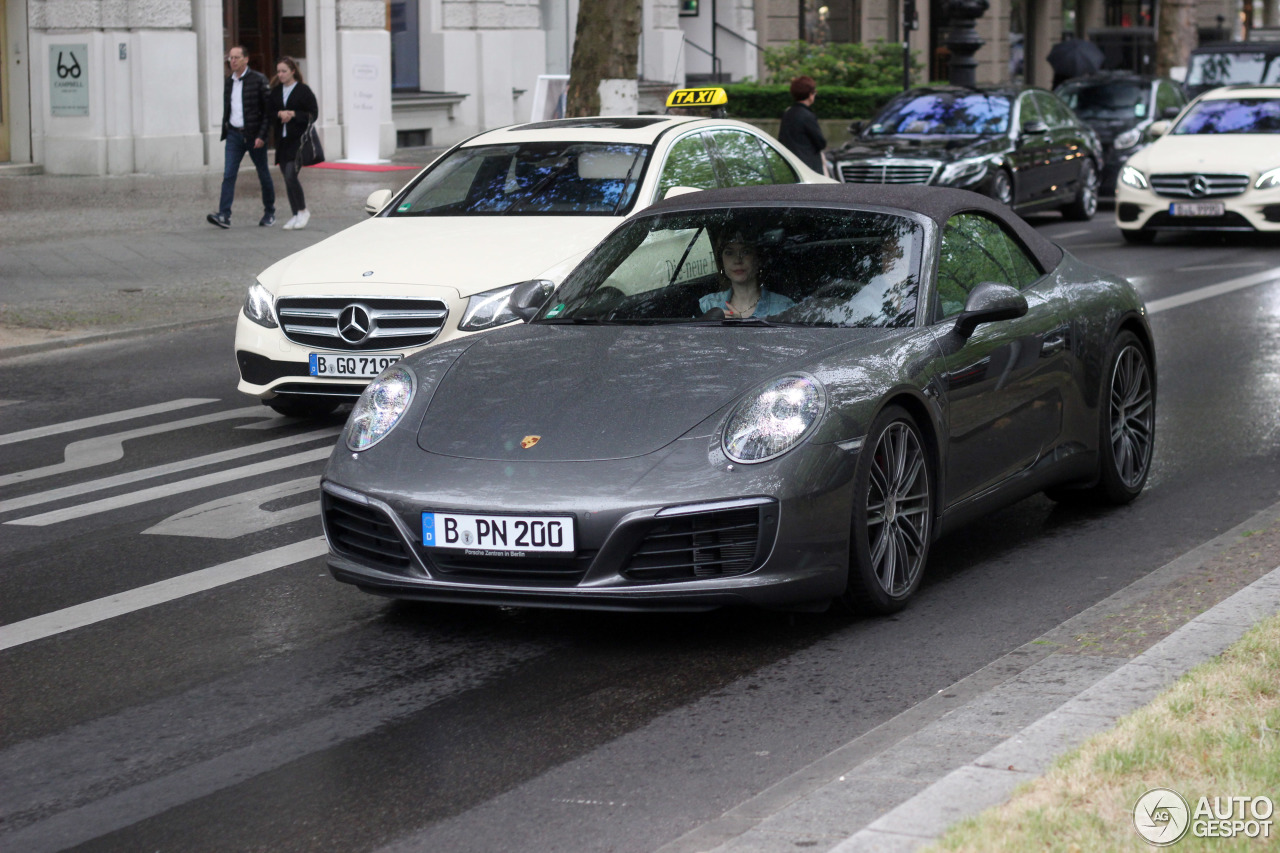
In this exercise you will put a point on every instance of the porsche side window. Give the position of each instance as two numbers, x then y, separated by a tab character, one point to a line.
688	165
740	157
976	249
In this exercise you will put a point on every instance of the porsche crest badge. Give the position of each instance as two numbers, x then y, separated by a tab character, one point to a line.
529	441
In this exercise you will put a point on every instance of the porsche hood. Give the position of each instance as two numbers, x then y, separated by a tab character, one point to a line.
607	392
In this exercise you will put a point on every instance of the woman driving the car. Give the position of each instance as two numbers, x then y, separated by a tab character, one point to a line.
739	262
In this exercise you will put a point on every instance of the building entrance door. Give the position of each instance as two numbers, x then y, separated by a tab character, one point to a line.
4	86
256	25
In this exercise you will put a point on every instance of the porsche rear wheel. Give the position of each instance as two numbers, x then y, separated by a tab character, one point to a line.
892	515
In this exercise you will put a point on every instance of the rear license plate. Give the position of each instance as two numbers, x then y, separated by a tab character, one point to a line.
1197	208
498	535
329	364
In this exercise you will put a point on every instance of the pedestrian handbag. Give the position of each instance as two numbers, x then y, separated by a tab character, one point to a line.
310	151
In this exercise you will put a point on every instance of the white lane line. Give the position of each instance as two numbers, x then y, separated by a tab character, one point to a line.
162	470
1066	235
80	615
242	514
99	420
157	492
1202	267
1155	306
103	449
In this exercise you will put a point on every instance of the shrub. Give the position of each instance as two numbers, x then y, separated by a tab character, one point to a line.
762	100
853	65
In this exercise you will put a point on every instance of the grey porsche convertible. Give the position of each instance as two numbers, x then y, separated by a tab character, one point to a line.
777	396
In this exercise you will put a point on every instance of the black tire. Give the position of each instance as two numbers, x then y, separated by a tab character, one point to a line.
1001	188
1085	204
1126	427
1138	238
892	515
301	406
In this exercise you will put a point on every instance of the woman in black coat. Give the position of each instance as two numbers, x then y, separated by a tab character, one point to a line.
293	107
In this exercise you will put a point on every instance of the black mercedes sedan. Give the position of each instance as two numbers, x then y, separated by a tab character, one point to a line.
1020	146
1120	106
771	396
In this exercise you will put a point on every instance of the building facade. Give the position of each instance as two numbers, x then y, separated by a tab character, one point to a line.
123	86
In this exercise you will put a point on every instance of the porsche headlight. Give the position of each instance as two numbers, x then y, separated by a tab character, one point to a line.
773	419
1128	139
1268	180
259	306
1131	177
489	310
380	407
964	171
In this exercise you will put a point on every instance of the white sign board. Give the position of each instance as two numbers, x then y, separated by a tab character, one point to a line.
68	80
364	77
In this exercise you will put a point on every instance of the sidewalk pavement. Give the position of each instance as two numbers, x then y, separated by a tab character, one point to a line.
82	258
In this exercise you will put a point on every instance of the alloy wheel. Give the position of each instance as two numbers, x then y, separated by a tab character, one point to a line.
1131	416
898	509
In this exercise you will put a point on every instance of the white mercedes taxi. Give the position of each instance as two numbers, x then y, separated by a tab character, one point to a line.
1216	167
441	257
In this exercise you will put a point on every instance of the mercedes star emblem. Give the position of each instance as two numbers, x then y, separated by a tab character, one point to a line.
354	324
1198	186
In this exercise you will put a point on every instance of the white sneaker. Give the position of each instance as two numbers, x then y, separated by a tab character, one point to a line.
301	220
291	224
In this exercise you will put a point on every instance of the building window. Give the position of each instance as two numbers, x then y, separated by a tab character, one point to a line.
404	45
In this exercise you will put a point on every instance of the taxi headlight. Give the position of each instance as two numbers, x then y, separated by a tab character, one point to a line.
1268	180
489	310
1128	139
380	407
259	306
1131	177
773	419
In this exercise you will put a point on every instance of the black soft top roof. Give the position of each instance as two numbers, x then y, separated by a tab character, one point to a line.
937	203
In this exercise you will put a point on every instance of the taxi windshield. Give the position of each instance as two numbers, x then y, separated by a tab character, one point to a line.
777	265
529	179
945	113
1232	115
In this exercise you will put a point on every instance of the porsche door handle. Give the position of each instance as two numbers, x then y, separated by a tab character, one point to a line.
1055	341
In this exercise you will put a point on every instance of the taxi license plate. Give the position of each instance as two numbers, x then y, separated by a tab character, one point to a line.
332	365
1197	208
498	535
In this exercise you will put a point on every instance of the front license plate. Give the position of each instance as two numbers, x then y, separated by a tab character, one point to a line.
498	535
329	364
1197	208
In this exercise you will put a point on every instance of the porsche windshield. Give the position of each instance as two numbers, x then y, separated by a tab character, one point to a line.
1233	115
531	179
763	266
946	114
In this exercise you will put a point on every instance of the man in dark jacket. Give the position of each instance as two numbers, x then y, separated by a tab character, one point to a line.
799	130
245	124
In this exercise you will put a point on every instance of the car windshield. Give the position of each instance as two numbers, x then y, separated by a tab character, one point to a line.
945	113
1221	69
1109	101
1232	115
804	266
529	179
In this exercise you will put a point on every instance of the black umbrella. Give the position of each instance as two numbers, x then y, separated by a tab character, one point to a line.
1075	58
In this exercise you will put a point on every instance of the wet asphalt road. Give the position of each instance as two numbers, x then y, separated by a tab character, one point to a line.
284	711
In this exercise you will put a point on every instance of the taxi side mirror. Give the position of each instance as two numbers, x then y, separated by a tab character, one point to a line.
1158	129
377	200
987	303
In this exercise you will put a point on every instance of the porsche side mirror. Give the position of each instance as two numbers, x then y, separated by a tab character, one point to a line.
1034	128
1158	129
672	192
377	200
527	297
988	303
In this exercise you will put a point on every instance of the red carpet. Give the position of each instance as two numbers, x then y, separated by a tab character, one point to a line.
364	167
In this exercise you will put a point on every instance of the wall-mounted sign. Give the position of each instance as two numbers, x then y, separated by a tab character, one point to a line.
68	80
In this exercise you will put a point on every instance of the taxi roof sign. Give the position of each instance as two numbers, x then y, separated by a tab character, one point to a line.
708	97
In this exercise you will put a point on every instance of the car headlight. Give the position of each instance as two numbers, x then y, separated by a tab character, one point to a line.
259	306
964	171
1128	139
773	419
489	310
380	407
1133	178
1268	180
